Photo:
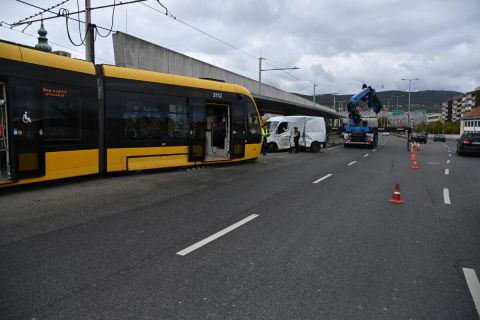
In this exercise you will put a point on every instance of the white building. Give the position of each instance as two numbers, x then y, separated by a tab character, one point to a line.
471	121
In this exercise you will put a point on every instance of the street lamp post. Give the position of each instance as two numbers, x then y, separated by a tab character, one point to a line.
333	94
397	98
388	103
409	88
314	85
272	69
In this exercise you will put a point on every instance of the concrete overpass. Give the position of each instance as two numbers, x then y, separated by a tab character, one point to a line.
133	52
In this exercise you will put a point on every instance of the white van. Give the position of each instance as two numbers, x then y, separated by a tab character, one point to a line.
313	134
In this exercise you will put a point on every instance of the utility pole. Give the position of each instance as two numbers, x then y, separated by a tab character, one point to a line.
89	33
409	87
388	103
397	99
314	85
260	73
334	93
272	69
89	27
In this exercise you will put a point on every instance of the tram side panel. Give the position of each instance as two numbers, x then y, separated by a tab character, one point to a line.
52	116
149	125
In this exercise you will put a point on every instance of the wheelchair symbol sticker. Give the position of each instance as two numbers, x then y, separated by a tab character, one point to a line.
25	118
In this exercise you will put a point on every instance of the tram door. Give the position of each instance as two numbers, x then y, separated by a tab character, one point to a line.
197	136
5	173
218	128
239	130
28	133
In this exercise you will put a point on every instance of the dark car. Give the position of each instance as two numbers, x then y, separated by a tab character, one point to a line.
469	143
421	137
439	137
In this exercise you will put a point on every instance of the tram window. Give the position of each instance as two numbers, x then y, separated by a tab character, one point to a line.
142	120
252	120
62	112
238	119
177	120
154	117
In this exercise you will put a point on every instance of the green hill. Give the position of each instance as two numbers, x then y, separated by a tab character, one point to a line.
430	100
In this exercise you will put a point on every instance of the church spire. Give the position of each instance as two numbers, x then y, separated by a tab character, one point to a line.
42	39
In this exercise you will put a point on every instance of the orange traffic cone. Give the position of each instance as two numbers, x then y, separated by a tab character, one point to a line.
418	146
413	157
414	164
396	195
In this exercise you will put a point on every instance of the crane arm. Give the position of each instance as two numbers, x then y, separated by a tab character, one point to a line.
367	94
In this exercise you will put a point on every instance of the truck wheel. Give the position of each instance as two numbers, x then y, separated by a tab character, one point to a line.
315	147
272	147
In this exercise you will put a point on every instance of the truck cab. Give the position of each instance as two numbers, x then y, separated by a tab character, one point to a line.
364	134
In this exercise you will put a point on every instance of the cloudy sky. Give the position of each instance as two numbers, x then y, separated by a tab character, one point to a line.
337	44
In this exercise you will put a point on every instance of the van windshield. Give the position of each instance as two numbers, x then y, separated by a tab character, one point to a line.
272	125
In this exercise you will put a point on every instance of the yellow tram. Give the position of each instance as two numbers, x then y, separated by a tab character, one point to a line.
63	117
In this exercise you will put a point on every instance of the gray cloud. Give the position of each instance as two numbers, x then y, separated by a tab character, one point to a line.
338	44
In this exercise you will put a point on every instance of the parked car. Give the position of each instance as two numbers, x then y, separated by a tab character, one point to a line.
469	143
386	133
439	137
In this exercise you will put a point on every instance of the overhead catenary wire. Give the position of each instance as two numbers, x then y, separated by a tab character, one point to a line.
66	14
63	12
171	16
39	13
111	26
168	14
79	24
56	43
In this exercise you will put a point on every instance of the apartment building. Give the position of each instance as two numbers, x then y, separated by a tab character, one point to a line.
453	110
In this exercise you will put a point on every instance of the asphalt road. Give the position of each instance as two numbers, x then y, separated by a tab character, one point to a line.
109	247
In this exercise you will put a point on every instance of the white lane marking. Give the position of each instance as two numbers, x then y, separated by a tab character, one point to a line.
374	150
446	196
335	147
447	171
322	178
353	162
216	235
474	286
448	161
449	154
366	155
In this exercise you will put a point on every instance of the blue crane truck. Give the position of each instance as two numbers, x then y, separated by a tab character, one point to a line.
360	131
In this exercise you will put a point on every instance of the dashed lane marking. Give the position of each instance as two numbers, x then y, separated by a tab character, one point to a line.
446	196
473	286
322	178
217	235
374	150
448	161
335	148
366	155
447	171
353	162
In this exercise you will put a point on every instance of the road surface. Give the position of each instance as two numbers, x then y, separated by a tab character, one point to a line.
290	236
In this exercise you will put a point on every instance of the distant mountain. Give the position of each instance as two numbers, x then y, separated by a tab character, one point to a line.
430	100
